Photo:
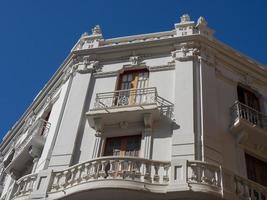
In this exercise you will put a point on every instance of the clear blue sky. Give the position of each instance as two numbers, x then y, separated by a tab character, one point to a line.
36	36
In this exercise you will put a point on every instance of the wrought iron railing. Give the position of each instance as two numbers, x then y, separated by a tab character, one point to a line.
118	168
242	111
133	97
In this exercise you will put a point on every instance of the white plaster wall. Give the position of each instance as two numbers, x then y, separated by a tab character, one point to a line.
183	129
219	95
54	120
163	80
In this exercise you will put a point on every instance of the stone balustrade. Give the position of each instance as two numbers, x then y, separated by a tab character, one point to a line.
122	168
246	189
204	173
25	185
198	176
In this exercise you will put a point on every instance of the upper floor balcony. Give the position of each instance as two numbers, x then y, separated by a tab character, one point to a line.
114	107
249	127
138	178
27	147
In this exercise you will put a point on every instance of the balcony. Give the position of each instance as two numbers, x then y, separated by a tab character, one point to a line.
114	107
249	127
24	147
139	178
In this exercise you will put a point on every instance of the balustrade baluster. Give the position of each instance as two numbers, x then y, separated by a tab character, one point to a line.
87	167
120	169
32	180
66	178
102	172
166	171
72	173
112	169
24	189
58	176
97	166
147	176
80	171
156	175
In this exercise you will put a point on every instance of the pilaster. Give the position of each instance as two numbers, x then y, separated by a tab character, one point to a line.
148	123
64	147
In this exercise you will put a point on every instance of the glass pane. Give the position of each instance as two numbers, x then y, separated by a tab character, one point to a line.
133	145
113	147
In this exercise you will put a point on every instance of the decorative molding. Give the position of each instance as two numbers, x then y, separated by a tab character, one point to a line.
123	124
105	74
185	51
207	55
169	66
135	60
223	77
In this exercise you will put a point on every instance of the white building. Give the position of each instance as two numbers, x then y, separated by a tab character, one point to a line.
167	115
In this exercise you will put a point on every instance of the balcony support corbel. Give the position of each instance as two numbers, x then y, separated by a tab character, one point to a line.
98	137
148	123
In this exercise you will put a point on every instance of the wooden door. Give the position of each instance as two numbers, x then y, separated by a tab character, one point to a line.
123	146
131	81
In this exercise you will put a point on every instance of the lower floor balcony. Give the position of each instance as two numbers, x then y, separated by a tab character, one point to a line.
138	178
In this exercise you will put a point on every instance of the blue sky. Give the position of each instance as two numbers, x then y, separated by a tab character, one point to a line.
36	36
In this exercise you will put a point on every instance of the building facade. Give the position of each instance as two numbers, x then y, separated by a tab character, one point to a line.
167	115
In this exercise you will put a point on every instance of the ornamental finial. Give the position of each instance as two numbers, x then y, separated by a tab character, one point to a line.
96	30
202	21
185	18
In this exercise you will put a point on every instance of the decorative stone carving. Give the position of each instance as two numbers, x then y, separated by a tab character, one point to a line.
96	66
202	21
135	60
96	30
185	51
185	18
29	121
124	125
203	29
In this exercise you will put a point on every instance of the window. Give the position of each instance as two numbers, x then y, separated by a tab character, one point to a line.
248	98
256	170
123	146
45	118
131	86
133	79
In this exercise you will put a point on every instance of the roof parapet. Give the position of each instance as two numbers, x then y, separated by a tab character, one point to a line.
89	41
185	26
188	27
